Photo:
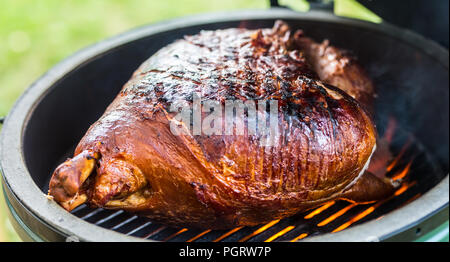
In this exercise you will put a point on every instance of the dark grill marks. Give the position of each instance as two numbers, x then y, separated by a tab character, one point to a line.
298	170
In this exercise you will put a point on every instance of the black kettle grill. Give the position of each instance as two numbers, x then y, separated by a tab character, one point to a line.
412	109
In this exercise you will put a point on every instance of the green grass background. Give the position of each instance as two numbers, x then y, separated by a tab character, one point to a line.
35	35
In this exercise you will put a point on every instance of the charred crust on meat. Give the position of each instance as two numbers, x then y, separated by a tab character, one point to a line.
223	181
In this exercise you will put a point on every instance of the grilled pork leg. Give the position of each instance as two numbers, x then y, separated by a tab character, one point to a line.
135	162
336	67
68	179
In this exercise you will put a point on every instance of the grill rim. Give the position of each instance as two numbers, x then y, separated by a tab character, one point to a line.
30	201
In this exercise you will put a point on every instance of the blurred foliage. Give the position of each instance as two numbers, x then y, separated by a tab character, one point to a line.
37	34
353	9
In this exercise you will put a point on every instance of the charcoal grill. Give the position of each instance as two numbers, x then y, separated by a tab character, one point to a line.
412	112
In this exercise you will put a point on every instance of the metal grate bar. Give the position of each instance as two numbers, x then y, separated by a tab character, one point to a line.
199	235
154	232
90	214
259	230
372	208
229	233
279	234
336	215
301	236
113	215
319	210
181	231
78	208
129	220
138	228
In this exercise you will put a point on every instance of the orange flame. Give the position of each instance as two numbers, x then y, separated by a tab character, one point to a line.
175	234
403	188
279	234
402	173
260	230
399	156
199	235
232	231
336	215
301	236
320	209
369	210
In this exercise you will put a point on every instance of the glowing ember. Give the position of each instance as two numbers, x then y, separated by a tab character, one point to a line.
320	210
399	156
336	215
199	235
175	234
357	217
279	234
403	188
299	237
260	230
369	210
232	231
402	173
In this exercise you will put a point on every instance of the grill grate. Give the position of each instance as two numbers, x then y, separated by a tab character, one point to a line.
333	216
412	165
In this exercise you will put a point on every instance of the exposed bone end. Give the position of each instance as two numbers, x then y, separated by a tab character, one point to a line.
116	179
68	178
74	202
134	200
369	188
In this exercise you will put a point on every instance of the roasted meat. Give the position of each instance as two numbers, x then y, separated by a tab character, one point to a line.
338	68
131	159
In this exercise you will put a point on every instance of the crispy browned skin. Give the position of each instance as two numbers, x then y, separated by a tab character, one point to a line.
228	180
335	67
